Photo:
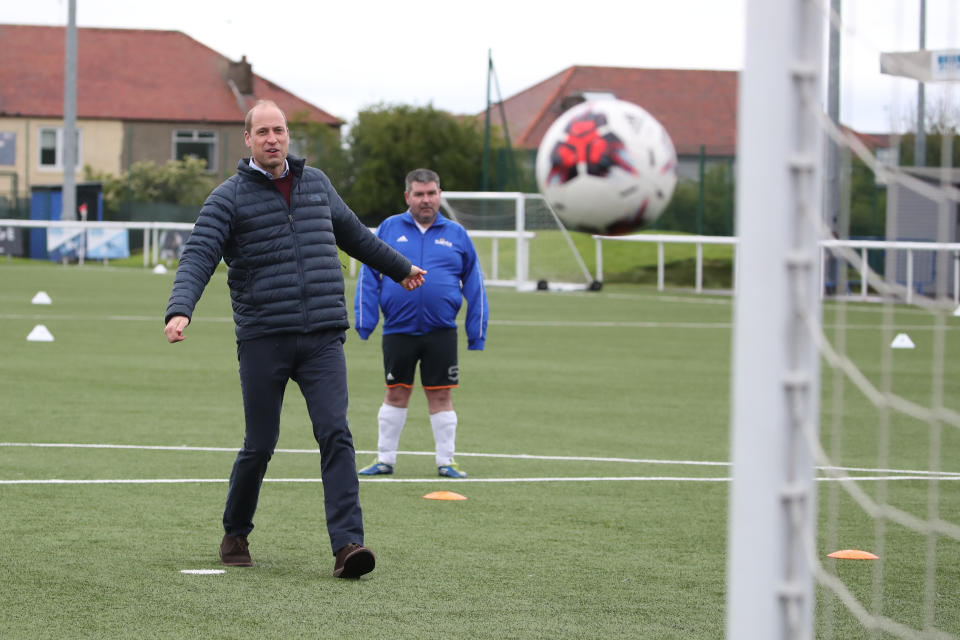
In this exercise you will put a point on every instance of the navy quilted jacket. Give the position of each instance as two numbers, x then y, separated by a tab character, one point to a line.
283	272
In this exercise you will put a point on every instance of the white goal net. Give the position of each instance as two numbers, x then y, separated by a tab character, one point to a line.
845	504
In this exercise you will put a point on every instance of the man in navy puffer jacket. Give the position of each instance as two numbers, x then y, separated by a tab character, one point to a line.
277	224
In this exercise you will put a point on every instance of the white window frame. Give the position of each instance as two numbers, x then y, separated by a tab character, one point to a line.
213	140
58	151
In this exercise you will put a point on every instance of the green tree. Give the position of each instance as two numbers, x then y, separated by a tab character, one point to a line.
387	141
681	213
934	145
322	147
868	202
182	182
718	200
718	204
941	122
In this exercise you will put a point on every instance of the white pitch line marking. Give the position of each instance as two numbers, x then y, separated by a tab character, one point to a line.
58	481
898	473
628	324
516	456
446	480
893	474
202	572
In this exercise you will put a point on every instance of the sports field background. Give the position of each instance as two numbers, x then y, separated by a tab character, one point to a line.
613	526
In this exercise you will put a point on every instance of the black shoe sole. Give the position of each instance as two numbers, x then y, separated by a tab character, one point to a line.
236	564
356	564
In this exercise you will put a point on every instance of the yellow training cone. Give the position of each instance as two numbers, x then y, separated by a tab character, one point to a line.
444	495
852	554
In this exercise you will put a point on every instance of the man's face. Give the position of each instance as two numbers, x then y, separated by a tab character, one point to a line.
423	198
268	139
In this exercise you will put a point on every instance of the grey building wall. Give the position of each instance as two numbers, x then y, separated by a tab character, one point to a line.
154	142
914	217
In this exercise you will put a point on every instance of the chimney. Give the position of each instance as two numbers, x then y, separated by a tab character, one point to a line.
241	73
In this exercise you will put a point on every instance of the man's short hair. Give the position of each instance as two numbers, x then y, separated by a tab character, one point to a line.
421	175
249	119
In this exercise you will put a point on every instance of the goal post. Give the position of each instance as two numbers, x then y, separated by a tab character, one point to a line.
881	434
496	230
775	395
519	239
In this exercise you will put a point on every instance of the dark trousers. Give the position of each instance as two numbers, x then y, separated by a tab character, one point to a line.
316	362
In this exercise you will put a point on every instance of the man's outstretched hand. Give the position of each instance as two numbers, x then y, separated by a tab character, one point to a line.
174	328
415	279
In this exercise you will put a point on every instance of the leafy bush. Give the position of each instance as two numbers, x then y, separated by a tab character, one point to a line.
182	182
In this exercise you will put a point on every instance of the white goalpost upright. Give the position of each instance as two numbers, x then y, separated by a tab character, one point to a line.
896	410
775	394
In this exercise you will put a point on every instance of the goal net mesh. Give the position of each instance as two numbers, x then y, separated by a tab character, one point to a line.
888	445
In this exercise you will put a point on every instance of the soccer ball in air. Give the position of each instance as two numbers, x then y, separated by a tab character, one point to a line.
607	167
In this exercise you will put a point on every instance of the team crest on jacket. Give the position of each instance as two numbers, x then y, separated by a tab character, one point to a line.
444	242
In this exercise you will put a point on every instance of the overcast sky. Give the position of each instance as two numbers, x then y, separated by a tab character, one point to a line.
344	56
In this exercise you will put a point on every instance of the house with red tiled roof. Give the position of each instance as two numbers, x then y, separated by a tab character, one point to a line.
698	108
142	95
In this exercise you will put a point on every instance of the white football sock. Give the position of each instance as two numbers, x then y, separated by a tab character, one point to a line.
390	420
444	424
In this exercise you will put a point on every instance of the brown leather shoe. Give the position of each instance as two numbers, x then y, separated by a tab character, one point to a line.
353	561
234	552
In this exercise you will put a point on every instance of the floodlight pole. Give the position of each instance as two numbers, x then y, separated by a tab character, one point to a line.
832	186
485	179
69	160
920	143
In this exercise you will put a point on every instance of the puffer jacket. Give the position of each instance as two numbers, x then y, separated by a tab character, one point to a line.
283	272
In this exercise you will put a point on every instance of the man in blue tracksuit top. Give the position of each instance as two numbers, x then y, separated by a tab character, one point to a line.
422	327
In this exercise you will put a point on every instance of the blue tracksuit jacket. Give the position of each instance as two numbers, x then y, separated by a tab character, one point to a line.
453	274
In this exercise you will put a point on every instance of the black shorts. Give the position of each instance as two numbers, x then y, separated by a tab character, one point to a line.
435	351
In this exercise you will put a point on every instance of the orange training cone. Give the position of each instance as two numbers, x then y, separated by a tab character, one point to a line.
852	554
444	495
